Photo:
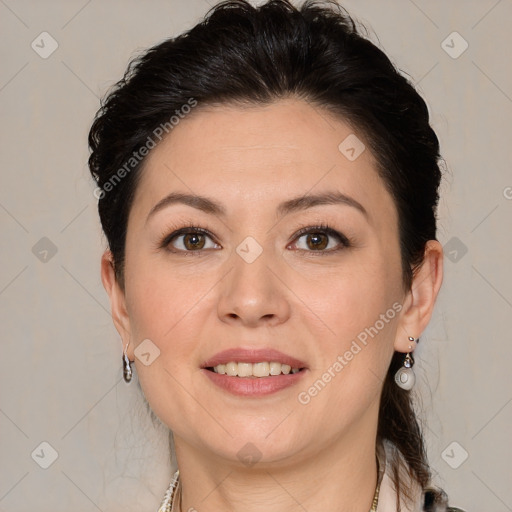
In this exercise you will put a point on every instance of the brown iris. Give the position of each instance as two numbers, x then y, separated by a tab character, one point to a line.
320	240
196	241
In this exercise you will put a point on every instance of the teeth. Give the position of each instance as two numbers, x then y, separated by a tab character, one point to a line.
232	369
244	369
260	369
263	369
275	368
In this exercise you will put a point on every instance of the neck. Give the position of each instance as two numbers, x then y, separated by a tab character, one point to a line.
341	477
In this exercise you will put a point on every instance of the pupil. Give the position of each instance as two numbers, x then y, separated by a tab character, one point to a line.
193	244
317	237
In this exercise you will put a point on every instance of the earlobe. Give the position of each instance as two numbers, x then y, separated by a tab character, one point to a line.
120	315
420	299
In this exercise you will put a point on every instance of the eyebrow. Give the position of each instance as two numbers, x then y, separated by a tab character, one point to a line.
300	203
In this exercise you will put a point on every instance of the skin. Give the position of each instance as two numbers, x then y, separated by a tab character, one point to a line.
319	455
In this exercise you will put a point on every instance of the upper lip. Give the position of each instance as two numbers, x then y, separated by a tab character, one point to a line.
241	355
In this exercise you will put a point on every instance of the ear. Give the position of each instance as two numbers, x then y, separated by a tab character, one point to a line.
117	302
420	299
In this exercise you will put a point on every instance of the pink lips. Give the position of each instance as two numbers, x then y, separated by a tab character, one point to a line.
253	386
240	355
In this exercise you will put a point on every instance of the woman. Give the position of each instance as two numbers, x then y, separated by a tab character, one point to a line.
268	184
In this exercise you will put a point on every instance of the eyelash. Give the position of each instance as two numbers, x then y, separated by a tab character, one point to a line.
190	228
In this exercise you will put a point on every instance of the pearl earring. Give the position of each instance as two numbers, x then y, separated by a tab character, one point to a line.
127	368
405	377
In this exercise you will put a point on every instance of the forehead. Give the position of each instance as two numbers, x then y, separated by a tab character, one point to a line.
259	155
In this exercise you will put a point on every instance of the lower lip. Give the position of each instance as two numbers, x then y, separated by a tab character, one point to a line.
254	386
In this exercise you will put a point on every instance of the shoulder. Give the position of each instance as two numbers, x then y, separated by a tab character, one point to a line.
436	500
429	499
388	498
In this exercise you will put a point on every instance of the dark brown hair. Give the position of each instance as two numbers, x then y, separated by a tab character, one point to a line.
257	55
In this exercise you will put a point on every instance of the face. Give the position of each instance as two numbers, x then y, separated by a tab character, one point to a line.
328	296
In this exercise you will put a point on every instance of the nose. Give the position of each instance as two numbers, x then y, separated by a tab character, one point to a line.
254	293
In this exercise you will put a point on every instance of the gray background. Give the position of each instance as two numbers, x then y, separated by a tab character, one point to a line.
60	378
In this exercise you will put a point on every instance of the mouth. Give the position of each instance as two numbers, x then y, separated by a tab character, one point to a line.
255	379
249	362
254	370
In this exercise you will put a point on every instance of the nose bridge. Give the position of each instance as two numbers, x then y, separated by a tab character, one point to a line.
251	291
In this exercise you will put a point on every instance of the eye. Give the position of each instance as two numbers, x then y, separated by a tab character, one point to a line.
189	239
322	239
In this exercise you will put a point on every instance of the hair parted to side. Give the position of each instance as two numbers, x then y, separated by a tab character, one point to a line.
247	55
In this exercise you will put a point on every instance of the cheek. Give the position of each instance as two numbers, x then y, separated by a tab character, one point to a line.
355	316
352	362
158	299
164	310
170	309
346	301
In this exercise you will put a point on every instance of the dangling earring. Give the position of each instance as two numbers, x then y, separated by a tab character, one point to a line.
127	368
405	377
